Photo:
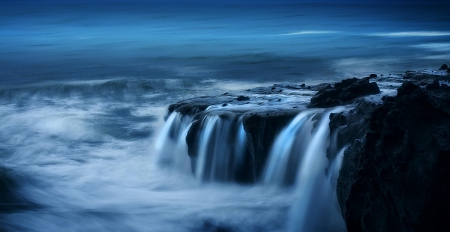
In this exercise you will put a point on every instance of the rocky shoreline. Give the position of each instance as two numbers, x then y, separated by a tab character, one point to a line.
395	171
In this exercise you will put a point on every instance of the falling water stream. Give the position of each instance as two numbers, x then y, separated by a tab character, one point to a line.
297	160
84	89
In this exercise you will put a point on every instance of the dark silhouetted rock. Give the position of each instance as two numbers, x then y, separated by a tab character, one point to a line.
343	92
262	129
243	98
373	75
448	70
397	178
443	67
195	105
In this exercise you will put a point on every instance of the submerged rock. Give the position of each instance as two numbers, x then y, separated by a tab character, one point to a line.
396	179
242	98
343	92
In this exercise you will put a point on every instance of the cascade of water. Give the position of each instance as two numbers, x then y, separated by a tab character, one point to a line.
171	148
288	148
315	208
220	154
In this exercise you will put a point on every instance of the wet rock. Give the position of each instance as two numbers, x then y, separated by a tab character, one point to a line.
343	92
195	105
448	70
242	98
396	178
443	67
352	125
373	75
262	129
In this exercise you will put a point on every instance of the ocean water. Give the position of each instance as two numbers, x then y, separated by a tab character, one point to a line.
84	89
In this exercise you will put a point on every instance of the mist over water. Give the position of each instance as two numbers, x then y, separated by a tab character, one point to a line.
84	89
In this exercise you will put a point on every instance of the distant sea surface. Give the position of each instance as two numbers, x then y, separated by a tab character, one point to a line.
84	88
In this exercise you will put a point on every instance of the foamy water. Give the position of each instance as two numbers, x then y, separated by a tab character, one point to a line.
84	90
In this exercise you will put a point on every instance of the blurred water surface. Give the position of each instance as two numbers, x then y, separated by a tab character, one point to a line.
84	88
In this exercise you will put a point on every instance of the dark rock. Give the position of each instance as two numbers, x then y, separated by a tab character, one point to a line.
242	98
337	120
396	178
373	75
434	85
448	70
261	132
443	67
352	125
343	92
195	105
261	129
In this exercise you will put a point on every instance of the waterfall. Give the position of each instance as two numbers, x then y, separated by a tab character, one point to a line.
316	207
218	151
289	145
221	149
298	158
171	148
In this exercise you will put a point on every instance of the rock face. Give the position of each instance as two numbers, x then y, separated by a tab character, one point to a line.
396	178
395	174
261	126
344	92
261	129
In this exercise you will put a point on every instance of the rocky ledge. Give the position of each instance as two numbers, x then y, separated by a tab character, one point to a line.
264	112
395	174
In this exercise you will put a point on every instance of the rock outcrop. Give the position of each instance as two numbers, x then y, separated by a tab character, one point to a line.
396	178
443	67
395	174
344	92
261	124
